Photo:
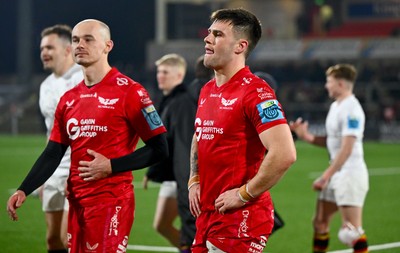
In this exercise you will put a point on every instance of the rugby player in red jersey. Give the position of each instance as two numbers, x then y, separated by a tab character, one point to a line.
238	119
101	119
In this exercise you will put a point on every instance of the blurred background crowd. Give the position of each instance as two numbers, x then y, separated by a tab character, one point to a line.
301	38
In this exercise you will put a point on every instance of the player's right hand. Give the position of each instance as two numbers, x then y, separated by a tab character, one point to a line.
15	201
194	200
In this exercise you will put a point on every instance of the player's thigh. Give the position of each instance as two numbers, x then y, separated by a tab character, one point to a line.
352	214
101	228
324	211
53	195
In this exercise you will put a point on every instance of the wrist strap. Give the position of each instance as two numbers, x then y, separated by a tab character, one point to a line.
193	180
244	195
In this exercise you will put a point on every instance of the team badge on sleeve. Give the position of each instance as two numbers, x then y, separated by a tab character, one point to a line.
352	122
152	117
270	111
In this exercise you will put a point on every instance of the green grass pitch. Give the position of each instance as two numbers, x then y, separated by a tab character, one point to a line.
293	199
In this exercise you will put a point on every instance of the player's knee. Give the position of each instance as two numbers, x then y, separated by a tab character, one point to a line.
320	225
348	234
160	228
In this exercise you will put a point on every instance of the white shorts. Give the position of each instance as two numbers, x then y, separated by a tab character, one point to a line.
54	198
168	189
347	188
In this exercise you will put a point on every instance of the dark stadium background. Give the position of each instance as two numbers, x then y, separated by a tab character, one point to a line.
365	33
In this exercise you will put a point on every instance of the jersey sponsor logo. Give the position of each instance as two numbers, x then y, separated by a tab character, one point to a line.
114	222
152	117
228	102
70	103
83	128
107	101
92	247
122	246
243	227
246	81
205	130
264	93
202	101
214	95
144	97
90	95
122	81
270	111
353	122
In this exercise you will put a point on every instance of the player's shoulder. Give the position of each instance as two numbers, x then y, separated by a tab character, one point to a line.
47	81
258	87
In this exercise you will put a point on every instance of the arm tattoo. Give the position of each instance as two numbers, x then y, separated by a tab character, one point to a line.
194	168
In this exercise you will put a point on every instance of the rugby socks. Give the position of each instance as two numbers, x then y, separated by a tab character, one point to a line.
58	251
361	245
320	243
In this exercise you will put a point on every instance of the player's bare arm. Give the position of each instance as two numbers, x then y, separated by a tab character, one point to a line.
280	156
300	127
344	153
193	184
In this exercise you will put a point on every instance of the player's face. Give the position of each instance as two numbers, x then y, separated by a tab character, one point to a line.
53	52
220	45
89	43
332	86
167	77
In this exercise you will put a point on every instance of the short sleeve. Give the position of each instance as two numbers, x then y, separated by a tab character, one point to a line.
262	107
142	114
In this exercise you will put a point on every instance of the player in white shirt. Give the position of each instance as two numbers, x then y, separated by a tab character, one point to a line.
344	184
55	53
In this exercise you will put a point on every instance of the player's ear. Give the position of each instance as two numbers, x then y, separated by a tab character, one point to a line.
68	50
109	46
241	46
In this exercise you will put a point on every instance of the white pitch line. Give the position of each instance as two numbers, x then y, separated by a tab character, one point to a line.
372	248
152	248
172	249
371	172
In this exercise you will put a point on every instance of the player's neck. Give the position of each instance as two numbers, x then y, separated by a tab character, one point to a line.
223	75
94	74
343	96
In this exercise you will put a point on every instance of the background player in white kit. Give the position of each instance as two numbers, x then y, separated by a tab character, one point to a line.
344	184
55	53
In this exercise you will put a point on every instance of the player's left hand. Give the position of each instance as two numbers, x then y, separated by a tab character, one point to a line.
320	184
99	167
14	202
228	200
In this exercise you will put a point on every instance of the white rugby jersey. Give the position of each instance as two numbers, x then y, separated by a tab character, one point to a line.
346	118
51	90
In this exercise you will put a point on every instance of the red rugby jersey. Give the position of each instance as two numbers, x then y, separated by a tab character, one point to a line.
108	118
228	122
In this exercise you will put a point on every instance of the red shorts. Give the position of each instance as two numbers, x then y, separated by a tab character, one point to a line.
244	230
101	228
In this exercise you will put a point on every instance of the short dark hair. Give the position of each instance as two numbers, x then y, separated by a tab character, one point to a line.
63	31
343	71
243	22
